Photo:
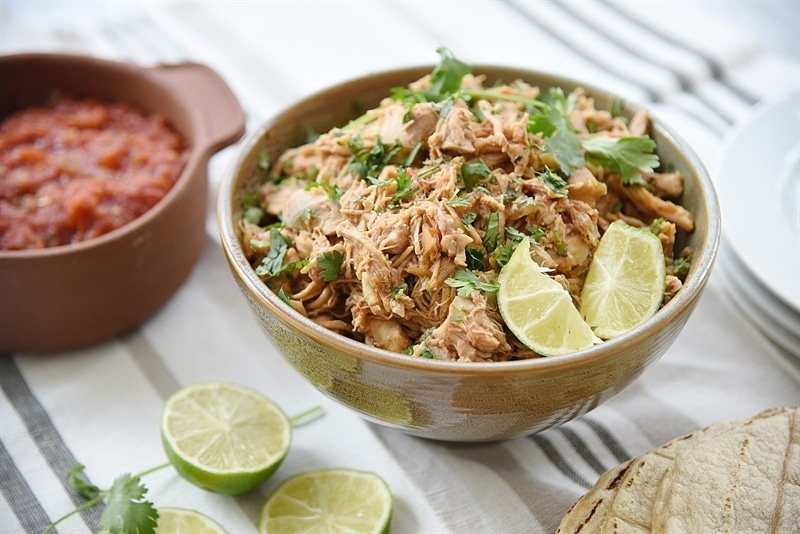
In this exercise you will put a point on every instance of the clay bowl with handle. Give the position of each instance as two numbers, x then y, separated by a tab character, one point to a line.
73	295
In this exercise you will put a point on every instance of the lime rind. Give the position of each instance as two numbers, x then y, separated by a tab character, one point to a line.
224	438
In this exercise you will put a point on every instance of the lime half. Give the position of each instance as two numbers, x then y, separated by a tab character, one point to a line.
224	437
538	310
182	521
626	280
331	501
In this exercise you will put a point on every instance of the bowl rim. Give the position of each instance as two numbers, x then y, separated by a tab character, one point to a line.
195	155
685	298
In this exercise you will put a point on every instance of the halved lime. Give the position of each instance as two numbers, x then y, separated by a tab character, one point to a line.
331	501
626	280
183	521
538	310
224	437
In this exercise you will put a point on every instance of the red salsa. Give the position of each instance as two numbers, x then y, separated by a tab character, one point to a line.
79	168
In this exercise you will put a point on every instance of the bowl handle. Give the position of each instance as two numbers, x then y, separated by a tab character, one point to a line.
219	117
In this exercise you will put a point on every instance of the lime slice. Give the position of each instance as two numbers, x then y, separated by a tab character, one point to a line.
328	500
626	280
182	521
538	310
223	437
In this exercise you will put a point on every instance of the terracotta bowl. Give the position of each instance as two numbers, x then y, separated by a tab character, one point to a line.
73	295
450	400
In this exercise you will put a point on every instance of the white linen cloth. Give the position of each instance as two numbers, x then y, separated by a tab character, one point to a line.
696	69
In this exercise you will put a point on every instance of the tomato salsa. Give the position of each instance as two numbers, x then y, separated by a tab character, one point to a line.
76	169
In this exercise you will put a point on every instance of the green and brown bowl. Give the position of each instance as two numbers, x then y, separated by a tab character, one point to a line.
457	401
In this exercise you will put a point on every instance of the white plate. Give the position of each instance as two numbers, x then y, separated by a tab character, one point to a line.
758	180
785	339
767	305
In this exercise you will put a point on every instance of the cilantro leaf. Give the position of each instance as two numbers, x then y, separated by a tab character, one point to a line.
127	510
492	232
90	491
404	189
272	263
446	76
628	156
475	258
473	172
556	183
466	282
330	264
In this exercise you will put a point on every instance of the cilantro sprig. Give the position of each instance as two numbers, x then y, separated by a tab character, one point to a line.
467	281
126	508
330	264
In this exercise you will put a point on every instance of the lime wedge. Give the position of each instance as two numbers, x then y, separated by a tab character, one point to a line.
626	280
182	521
328	500
538	310
223	437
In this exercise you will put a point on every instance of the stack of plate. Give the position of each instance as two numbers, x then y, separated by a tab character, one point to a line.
758	181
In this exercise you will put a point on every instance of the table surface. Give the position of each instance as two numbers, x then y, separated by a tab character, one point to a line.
699	66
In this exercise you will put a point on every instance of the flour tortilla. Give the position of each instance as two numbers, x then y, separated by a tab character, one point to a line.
743	479
588	512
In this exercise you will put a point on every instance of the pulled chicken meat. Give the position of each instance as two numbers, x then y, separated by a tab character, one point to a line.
393	229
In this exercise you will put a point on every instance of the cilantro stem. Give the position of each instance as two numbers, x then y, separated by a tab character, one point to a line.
489	95
152	470
79	509
306	416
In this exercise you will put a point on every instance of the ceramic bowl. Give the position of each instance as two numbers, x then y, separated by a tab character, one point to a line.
73	295
456	401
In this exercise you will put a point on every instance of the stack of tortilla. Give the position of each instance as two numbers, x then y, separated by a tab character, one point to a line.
736	476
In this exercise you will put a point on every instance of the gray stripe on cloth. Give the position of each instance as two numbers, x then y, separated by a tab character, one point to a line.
151	363
583	450
642	408
715	68
608	439
43	433
686	83
558	460
19	496
652	93
426	468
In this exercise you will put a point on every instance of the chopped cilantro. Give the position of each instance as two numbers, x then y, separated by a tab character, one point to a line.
474	172
284	297
399	290
466	282
513	236
469	218
552	180
680	267
447	75
461	201
492	231
535	232
272	263
263	159
330	264
475	258
561	246
404	189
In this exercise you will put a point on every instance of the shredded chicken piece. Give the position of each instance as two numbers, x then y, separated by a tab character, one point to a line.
378	217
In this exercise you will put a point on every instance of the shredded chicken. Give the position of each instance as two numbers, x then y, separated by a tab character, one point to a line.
376	219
